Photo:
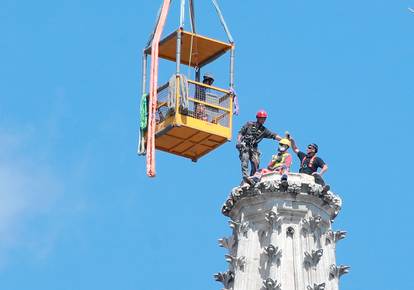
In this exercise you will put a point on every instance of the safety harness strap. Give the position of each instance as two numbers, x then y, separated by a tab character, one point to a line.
310	161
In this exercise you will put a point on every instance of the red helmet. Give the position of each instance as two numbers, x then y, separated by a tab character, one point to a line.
261	114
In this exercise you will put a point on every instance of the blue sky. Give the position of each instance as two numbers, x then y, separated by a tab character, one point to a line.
78	212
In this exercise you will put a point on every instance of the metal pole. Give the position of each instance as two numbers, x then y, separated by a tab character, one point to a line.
178	52
232	66
182	14
144	73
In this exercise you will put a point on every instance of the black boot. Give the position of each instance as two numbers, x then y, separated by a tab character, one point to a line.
325	189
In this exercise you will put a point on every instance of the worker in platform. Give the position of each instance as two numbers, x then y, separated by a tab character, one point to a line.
200	109
248	139
310	163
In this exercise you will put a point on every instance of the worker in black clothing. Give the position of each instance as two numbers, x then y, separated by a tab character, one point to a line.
248	139
309	164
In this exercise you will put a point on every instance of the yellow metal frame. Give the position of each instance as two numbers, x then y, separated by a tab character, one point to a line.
211	134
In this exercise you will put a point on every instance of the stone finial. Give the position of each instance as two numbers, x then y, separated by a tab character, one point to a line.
338	271
273	252
313	258
317	287
236	262
239	227
270	284
227	243
227	278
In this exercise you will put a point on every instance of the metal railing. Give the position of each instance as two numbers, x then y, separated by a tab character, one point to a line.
209	103
206	103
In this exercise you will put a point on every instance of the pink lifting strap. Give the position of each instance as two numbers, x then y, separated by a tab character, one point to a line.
153	89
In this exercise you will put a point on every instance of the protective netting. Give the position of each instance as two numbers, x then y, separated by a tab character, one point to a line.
163	111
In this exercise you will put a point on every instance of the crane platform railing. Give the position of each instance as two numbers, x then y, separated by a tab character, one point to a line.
206	103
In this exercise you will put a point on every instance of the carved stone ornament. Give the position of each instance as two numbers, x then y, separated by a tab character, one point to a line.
269	185
294	188
335	236
317	287
227	243
312	224
290	231
338	271
227	278
270	284
238	227
314	189
273	253
273	219
313	258
236	263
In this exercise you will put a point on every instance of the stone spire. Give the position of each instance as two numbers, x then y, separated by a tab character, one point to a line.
282	237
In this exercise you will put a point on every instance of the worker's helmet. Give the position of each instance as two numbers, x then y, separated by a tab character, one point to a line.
261	114
208	76
285	141
314	146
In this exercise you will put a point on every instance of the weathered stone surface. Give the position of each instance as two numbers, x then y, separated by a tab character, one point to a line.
282	237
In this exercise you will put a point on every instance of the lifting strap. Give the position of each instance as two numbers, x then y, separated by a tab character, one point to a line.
153	89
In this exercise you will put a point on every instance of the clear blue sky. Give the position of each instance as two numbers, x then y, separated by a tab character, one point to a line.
78	212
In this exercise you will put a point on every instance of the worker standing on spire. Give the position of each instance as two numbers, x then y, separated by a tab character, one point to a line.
310	164
248	140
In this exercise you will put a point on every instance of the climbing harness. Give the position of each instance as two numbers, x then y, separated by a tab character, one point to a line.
310	164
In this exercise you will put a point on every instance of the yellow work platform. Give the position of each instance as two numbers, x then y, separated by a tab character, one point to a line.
202	49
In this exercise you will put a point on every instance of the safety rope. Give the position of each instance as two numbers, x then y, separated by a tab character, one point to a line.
153	89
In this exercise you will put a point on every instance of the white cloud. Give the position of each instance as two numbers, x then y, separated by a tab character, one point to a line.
28	190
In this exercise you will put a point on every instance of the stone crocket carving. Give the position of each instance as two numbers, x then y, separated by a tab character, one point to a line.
273	219
227	278
273	253
239	227
317	287
270	284
227	243
312	259
236	263
335	236
338	271
312	223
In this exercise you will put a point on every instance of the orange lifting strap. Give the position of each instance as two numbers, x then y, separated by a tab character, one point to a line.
153	90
